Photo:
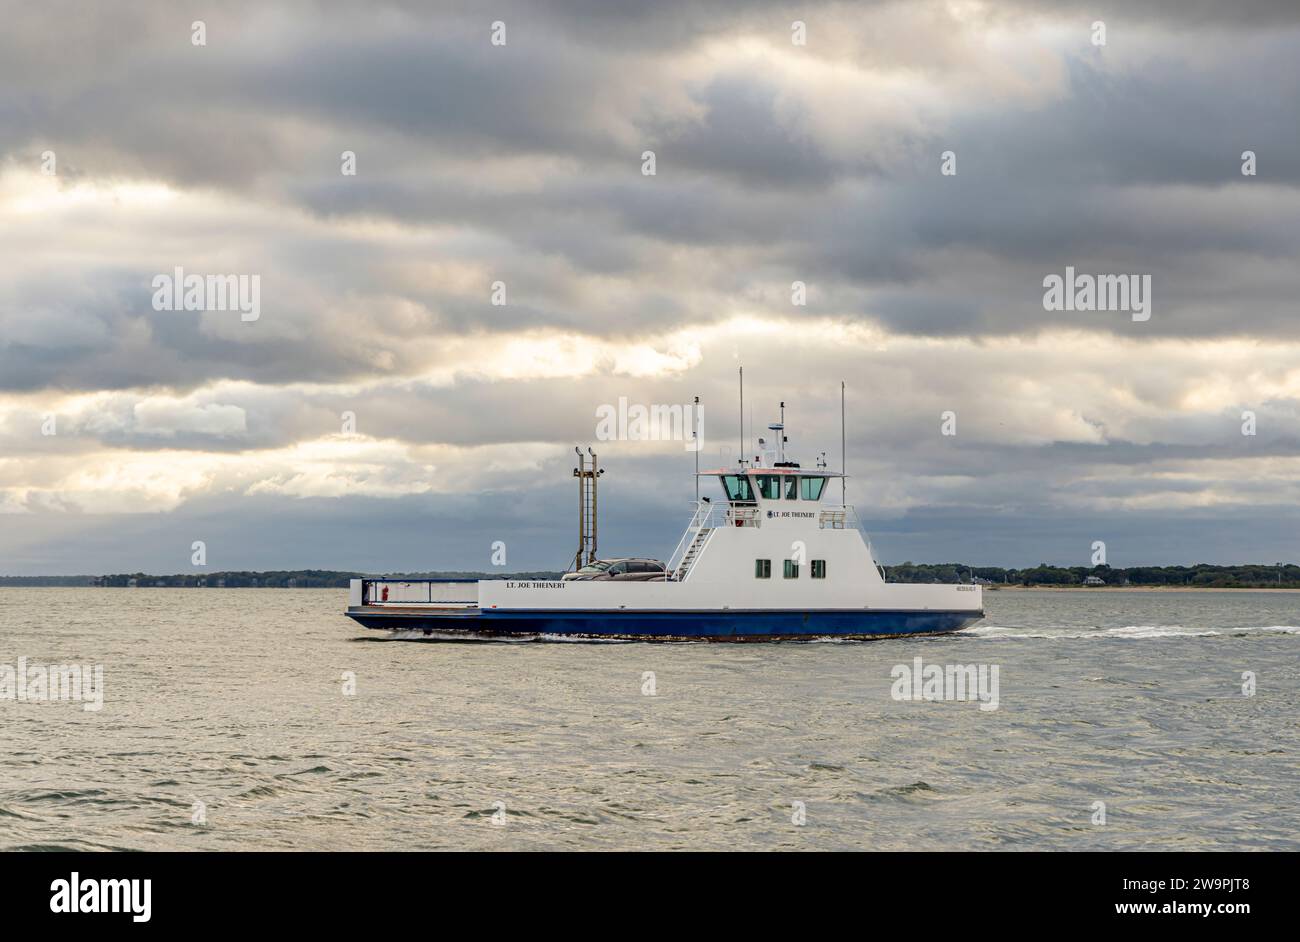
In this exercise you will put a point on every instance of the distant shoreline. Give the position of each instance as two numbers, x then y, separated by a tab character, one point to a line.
1135	588
991	588
1245	577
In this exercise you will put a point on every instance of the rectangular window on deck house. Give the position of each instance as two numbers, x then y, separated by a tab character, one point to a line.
791	569
812	488
762	569
769	486
819	569
738	489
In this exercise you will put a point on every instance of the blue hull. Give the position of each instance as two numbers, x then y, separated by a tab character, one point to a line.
669	625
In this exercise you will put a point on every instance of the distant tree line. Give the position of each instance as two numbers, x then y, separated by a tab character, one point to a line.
1202	575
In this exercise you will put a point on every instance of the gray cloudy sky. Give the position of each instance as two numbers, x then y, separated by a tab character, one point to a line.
521	163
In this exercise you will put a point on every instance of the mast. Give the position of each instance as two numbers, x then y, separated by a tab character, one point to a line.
697	449
580	472
780	442
595	477
741	452
843	450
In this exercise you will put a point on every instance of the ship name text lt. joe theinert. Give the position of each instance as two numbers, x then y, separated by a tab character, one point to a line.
774	561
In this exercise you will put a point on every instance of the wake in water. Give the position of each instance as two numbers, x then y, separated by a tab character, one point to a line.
1139	632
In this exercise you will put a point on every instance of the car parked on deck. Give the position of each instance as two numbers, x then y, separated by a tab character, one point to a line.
628	569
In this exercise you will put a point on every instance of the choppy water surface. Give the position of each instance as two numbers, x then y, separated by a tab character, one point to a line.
234	698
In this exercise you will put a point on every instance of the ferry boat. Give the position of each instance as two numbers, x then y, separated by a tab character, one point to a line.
772	561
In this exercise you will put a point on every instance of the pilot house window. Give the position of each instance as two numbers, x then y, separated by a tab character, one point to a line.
792	488
738	488
762	569
819	569
769	486
791	569
811	488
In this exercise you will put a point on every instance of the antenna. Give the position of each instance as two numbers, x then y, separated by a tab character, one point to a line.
696	443
595	477
741	453
580	472
843	451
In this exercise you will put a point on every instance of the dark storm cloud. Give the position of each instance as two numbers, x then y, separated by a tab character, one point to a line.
422	95
741	139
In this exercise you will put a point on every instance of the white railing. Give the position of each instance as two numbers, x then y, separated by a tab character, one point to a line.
844	517
418	591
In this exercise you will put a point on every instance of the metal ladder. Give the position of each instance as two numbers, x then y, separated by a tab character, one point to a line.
587	480
684	567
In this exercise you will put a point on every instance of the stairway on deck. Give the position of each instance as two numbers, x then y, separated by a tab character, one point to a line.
688	560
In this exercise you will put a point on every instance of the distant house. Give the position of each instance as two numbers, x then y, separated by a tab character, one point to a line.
1094	580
